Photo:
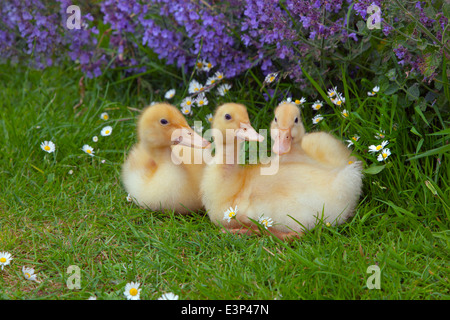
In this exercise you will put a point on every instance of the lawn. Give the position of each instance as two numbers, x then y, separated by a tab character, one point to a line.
67	208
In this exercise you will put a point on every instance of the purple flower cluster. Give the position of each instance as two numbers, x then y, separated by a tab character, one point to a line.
234	36
37	30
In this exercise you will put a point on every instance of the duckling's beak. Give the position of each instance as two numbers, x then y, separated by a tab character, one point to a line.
246	132
282	141
185	136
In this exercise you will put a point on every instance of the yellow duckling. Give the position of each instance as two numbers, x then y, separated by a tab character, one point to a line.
299	194
293	145
223	178
152	174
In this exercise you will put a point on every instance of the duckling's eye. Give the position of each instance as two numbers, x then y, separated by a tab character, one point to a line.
227	116
296	120
275	119
164	121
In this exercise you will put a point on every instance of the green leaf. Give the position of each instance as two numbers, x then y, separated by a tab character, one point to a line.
413	92
431	152
393	88
446	9
374	169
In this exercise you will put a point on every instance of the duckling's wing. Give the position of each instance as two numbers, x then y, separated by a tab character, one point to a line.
326	149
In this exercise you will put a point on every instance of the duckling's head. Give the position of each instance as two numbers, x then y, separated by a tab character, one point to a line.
231	121
162	125
287	129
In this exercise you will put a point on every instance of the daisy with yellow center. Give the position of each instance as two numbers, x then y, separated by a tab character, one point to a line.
199	65
317	105
201	100
352	140
300	101
209	117
132	291
48	146
344	113
106	131
210	81
104	116
187	102
384	154
170	94
380	135
317	119
95	138
88	149
218	75
339	100
223	89
332	92
194	87
5	258
271	77
186	110
265	221
374	91
374	148
207	66
28	273
230	214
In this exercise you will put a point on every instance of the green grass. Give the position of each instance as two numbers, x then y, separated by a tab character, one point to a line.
50	219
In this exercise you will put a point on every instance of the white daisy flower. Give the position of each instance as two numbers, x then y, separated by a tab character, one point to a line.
48	146
317	119
129	199
106	131
70	171
195	86
168	296
374	91
5	258
92	298
339	100
209	117
317	105
218	75
210	81
28	273
95	138
380	135
207	66
384	154
223	89
345	113
352	140
187	111
271	77
88	149
300	102
170	94
187	102
230	213
132	291
265	221
200	65
201	100
104	116
332	92
374	148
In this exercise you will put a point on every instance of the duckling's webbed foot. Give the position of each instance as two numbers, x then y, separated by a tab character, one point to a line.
286	236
